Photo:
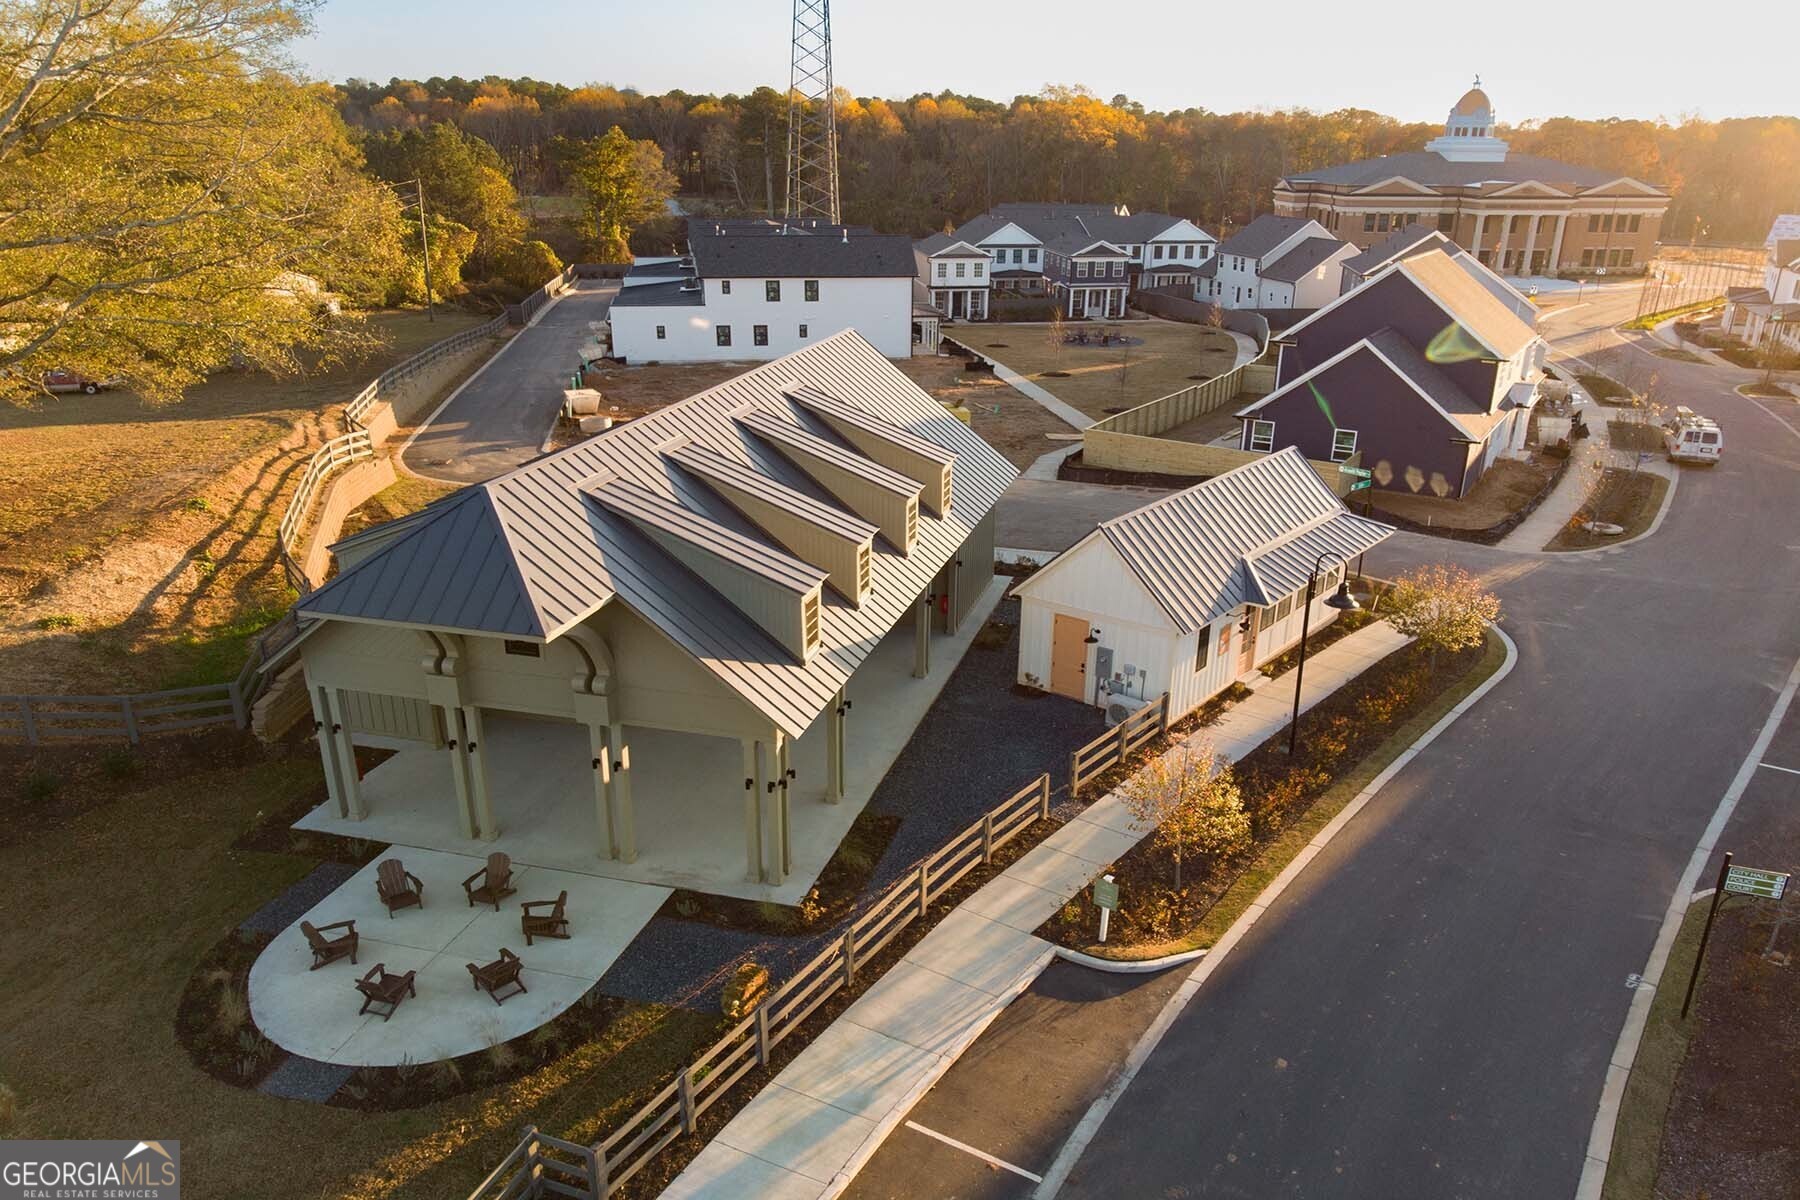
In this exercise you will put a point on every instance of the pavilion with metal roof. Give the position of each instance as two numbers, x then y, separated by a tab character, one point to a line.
720	568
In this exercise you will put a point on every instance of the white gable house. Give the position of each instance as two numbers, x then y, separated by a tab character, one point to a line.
1191	591
1276	263
752	290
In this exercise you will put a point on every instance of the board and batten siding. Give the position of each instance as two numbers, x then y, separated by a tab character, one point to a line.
373	715
1098	588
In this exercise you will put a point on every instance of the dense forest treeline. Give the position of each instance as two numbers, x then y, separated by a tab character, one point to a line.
914	165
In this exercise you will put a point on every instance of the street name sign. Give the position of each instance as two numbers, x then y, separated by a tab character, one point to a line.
1749	881
1106	894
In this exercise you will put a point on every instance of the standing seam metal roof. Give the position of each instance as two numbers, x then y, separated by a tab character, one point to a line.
1235	539
525	555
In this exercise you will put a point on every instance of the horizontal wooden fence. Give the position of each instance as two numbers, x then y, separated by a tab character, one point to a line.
1118	743
675	1110
541	1165
37	719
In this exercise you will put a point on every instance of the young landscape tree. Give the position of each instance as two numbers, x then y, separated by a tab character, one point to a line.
170	201
1444	607
1190	799
624	183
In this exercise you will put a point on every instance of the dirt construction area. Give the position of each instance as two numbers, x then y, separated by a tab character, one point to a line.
1012	423
1102	380
139	539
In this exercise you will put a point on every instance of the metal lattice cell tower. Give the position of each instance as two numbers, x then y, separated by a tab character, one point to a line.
812	168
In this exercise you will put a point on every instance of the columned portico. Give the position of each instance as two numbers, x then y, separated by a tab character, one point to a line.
1562	223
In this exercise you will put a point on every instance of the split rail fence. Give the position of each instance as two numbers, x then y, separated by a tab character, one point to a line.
675	1110
1118	743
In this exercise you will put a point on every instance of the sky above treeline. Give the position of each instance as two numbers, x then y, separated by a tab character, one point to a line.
1537	58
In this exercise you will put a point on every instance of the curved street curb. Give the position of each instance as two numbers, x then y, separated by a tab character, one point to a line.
1129	966
1667	500
1089	1125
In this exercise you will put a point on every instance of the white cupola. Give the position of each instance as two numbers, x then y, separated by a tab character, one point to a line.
1469	133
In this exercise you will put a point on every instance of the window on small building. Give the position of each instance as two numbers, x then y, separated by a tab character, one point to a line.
980	270
1081	270
1593	224
662	332
1368	222
803	333
1343	444
1187	251
523	649
1635	222
759	334
1203	653
724	287
1262	435
1625	257
1286	607
722	335
1159	252
811	287
962	269
1382	223
943	270
1033	256
772	289
1446	222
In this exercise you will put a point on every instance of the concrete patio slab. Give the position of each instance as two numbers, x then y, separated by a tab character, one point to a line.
687	789
313	1014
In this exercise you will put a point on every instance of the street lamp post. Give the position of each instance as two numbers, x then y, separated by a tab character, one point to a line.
1341	600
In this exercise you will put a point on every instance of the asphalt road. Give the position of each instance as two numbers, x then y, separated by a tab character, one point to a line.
502	415
1429	1010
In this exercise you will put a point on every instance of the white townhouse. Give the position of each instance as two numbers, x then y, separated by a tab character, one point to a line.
1276	263
958	276
749	290
1770	314
1089	257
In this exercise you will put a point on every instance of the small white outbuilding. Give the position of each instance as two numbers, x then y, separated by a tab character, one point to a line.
1191	591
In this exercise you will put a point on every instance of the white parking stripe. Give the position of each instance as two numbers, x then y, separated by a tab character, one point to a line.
989	1159
1771	766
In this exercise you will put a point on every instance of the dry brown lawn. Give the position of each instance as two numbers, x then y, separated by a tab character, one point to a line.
140	539
1012	423
1501	491
94	974
1101	380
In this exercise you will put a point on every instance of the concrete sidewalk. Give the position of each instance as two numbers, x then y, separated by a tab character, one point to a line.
1559	507
808	1132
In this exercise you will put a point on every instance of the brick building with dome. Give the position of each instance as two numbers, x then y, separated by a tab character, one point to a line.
1519	214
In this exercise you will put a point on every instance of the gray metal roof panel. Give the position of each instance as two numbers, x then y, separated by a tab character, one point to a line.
767	425
1262	235
654	510
1197	551
812	399
1297	262
532	556
710	464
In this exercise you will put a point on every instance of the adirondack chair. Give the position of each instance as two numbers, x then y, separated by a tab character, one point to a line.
330	949
496	882
398	887
498	976
385	990
553	923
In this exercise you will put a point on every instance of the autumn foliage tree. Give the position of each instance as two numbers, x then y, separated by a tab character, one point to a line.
170	201
1190	801
1443	607
623	184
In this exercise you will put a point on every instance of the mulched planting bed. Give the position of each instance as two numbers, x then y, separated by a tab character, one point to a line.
1629	499
213	1023
1732	1117
1336	736
1633	435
